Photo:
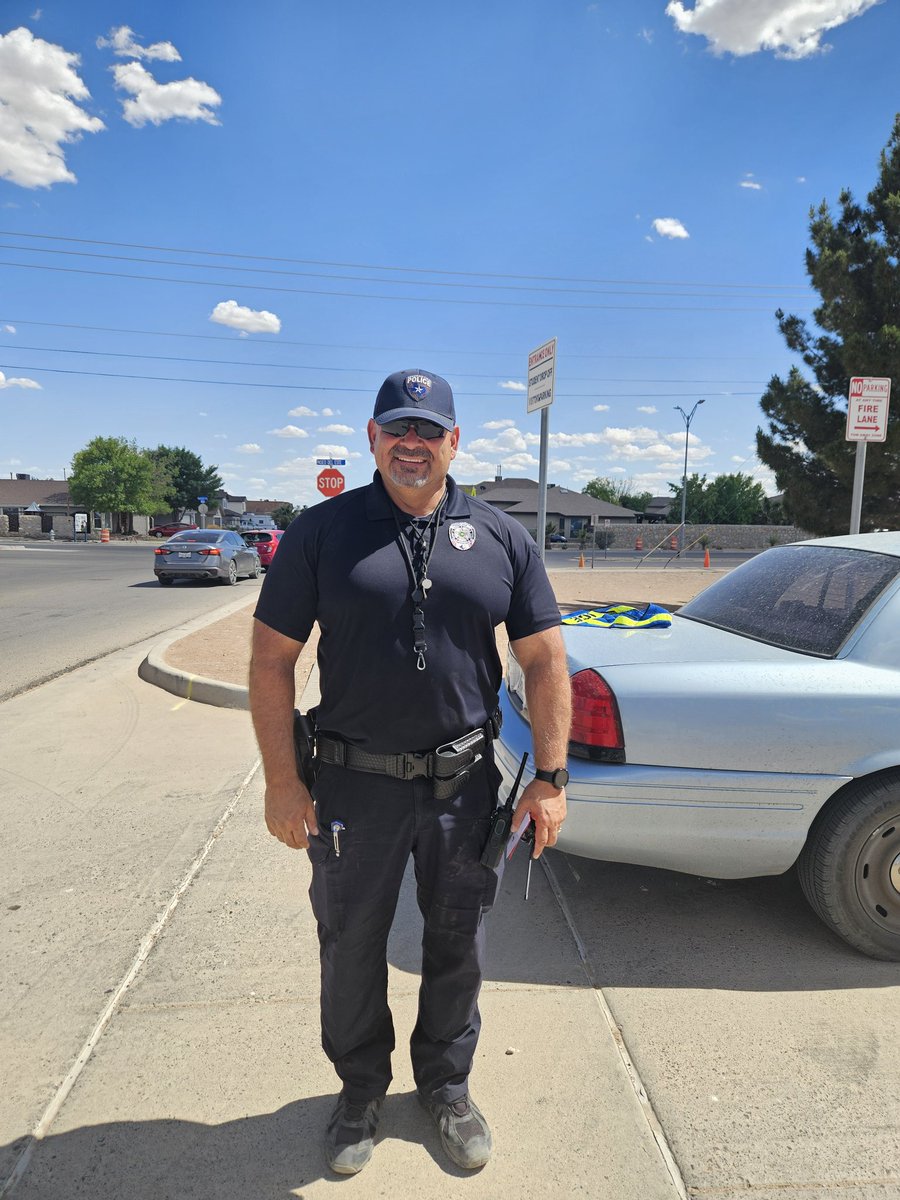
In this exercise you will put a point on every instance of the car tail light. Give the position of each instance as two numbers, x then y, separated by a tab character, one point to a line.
596	724
161	550
212	550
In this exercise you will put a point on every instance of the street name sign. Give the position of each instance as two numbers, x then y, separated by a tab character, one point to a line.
330	482
331	462
541	369
867	409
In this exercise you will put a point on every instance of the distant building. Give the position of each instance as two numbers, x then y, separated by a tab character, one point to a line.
568	510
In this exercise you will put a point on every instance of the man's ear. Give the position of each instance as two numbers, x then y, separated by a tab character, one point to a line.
372	430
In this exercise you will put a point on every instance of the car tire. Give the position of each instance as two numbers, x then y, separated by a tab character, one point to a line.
166	580
850	866
257	570
231	578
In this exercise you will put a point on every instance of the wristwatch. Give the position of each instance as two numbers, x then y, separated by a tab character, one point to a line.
559	778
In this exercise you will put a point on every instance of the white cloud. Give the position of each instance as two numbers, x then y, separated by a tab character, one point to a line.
19	383
289	431
791	28
331	412
513	385
9	329
248	320
646	34
249	448
39	113
670	227
220	435
505	424
647	408
303	411
752	184
121	42
345	429
37	14
601	408
801	179
184	99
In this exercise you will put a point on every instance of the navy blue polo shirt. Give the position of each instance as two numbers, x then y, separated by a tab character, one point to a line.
340	563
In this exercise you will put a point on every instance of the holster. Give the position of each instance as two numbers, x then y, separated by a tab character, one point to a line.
305	746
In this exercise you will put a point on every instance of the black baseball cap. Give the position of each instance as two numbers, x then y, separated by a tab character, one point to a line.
415	394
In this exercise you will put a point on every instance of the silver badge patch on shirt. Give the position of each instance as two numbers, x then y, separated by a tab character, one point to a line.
462	535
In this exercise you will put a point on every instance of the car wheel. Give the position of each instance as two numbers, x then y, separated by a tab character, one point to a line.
231	578
850	867
166	580
257	570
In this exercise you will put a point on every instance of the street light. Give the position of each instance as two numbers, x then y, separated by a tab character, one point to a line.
687	430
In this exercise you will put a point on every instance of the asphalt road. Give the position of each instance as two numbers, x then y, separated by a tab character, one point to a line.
64	605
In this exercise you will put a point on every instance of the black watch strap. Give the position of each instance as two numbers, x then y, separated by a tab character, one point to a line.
559	778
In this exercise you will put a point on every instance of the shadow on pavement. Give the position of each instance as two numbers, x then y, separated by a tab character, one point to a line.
267	1156
646	928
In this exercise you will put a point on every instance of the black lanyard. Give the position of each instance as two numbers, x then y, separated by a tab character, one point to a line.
417	564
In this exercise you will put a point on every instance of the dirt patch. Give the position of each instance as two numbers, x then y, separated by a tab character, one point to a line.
222	650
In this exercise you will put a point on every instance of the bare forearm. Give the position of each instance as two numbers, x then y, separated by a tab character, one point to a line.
549	698
272	695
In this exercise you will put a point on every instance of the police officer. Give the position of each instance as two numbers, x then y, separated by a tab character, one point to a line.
407	578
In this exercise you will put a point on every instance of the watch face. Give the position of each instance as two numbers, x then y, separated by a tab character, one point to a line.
559	778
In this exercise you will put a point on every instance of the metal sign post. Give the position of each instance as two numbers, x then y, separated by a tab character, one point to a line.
541	373
867	418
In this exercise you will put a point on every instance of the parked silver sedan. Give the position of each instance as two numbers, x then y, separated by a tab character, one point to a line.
760	730
205	554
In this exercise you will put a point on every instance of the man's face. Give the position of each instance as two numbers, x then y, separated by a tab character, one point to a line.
411	461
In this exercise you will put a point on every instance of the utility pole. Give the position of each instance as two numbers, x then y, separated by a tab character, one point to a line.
687	430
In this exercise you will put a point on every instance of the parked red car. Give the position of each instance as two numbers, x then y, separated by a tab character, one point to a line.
170	529
265	542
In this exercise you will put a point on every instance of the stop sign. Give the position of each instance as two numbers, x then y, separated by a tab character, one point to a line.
330	482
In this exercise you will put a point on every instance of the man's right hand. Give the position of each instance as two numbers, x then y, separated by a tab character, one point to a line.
291	815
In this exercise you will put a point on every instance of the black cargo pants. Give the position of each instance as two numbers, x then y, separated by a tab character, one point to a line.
354	898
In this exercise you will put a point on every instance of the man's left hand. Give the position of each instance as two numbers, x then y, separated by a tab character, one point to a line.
547	806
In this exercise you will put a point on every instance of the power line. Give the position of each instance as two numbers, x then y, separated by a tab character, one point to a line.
232	285
407	270
230	362
167	262
367	391
209	337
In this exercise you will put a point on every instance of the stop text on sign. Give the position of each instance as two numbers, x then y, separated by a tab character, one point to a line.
330	482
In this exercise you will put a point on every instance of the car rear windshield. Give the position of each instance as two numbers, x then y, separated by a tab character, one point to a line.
806	598
208	537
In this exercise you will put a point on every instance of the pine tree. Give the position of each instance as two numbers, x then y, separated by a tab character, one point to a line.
854	265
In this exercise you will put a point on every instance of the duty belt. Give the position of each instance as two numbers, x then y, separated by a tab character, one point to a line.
449	766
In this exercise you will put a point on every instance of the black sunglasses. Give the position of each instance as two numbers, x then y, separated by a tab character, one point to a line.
429	430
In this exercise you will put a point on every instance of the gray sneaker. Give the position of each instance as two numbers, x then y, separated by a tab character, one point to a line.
464	1131
350	1137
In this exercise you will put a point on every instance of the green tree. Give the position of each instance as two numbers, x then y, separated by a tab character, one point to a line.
726	500
188	478
283	515
617	491
111	475
854	265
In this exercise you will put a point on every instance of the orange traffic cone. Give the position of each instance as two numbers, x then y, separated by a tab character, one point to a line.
581	559
639	542
706	556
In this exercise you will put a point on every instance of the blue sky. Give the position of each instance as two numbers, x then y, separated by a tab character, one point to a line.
223	225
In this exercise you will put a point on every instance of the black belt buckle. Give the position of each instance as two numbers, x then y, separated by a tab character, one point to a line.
417	766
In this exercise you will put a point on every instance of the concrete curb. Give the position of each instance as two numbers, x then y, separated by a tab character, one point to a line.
154	669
